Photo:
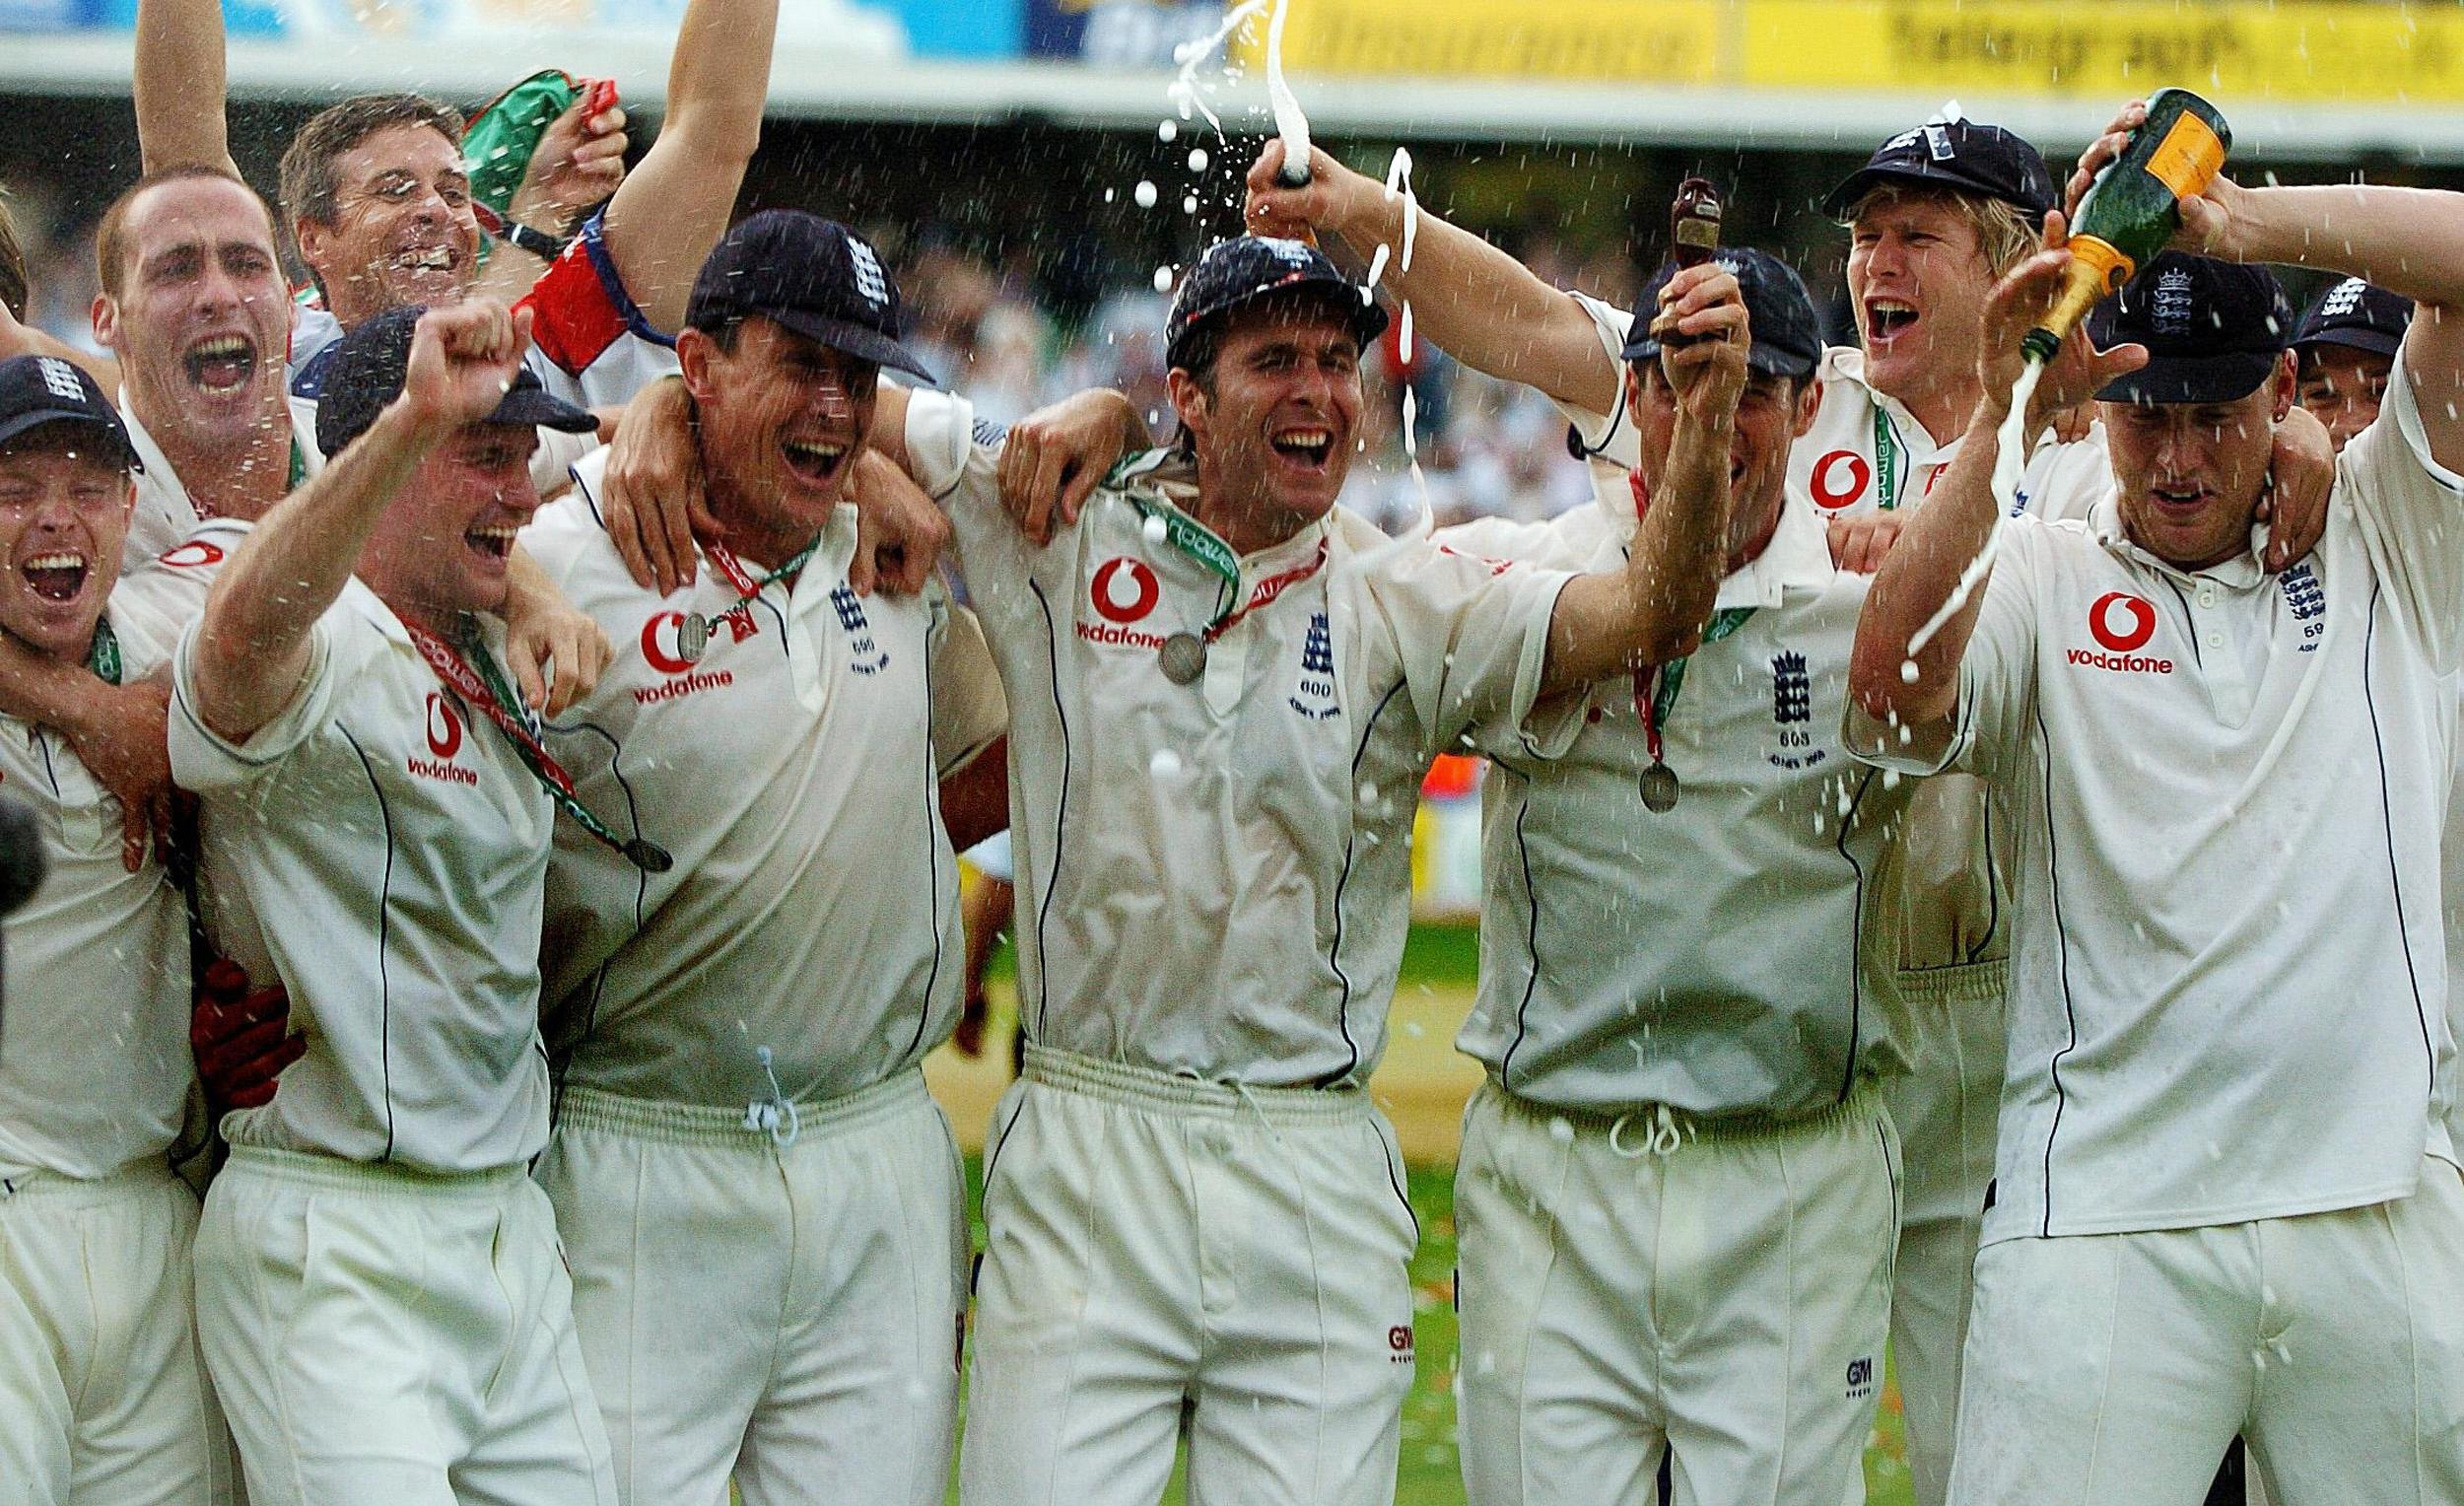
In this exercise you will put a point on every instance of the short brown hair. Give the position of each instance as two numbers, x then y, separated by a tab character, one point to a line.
309	186
12	266
2004	231
111	238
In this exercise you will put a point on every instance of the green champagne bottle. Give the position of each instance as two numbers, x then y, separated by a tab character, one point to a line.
2134	206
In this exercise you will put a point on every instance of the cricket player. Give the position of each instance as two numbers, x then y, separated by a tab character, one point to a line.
2224	1196
379	1291
1224	691
100	1384
744	1151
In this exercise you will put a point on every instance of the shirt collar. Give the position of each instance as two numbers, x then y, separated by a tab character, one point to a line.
157	467
2240	572
1799	555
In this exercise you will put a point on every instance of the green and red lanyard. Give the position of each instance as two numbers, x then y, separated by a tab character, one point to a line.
485	688
1656	685
1199	543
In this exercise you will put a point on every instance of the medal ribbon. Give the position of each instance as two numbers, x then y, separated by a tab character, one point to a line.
748	588
104	658
1266	591
1885	460
1194	539
497	699
1656	685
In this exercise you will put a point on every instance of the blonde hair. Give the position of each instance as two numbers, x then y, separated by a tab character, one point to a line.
2003	233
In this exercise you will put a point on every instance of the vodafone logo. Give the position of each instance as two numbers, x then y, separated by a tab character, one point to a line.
445	727
1123	589
192	554
1840	479
658	642
2122	622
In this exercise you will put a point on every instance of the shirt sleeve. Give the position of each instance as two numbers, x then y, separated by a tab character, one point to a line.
1470	635
2412	518
203	760
968	711
579	307
1997	677
1606	436
956	458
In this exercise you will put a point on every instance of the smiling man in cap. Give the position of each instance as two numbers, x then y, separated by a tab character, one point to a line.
378	821
100	1378
2225	1199
762	1207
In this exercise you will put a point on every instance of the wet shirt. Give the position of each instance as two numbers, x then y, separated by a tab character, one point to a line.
381	849
791	770
95	1068
2228	982
1214	877
1718	958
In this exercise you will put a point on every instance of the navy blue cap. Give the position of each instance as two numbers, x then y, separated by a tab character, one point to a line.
1960	156
1237	271
811	275
1787	337
35	390
2214	331
2353	313
367	372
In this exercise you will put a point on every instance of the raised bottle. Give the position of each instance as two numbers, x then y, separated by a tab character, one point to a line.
1694	223
2134	206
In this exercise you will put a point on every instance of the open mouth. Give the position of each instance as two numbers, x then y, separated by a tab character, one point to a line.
2178	500
493	543
1887	319
55	577
1309	446
815	463
426	259
223	363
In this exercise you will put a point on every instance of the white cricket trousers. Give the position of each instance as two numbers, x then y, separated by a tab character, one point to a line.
381	1336
1946	1110
1643	1284
103	1395
782	1306
2113	1368
1169	1256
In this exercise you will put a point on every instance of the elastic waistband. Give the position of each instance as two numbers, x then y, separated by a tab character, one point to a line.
379	1178
1633	1126
50	1186
1144	1087
680	1124
1966	983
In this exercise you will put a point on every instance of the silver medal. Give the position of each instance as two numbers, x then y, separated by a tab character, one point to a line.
1660	788
693	638
1184	658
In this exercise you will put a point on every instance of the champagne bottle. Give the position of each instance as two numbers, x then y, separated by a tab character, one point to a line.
2134	206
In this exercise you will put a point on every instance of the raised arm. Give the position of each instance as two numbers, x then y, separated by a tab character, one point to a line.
254	646
674	206
1475	302
181	87
1654	610
1923	570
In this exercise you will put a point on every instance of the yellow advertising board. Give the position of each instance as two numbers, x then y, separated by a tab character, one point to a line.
2294	50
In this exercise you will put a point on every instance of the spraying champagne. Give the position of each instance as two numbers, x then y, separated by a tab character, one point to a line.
1289	122
2134	206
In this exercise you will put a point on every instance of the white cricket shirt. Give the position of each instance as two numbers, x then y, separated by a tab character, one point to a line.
1214	878
792	773
381	849
1722	957
165	515
95	1067
2228	982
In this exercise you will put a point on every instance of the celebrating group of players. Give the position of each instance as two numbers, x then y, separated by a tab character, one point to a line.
1870	954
